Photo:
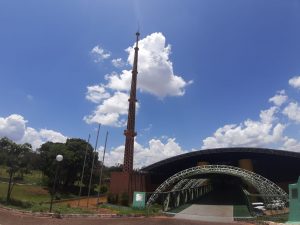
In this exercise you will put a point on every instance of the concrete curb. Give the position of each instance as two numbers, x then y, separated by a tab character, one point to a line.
58	215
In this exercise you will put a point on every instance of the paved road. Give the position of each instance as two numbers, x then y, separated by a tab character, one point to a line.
11	218
215	213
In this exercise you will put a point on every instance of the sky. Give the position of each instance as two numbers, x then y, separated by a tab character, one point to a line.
212	73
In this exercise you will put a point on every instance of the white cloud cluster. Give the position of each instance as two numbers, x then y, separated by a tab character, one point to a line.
250	133
99	54
279	98
291	144
267	131
155	76
295	82
96	93
292	111
109	112
143	156
14	127
118	63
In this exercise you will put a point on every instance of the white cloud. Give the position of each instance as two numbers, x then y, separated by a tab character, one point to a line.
118	63
279	98
155	69
295	82
155	76
143	156
250	133
291	144
111	111
292	111
96	93
99	54
14	127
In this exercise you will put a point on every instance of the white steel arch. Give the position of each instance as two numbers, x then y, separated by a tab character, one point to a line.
265	187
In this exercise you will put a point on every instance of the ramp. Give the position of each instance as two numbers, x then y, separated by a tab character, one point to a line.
213	213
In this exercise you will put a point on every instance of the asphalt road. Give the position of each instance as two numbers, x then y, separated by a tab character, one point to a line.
12	218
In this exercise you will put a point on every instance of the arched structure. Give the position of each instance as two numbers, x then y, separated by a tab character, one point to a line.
281	167
265	187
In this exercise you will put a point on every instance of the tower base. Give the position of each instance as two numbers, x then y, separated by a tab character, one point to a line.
124	183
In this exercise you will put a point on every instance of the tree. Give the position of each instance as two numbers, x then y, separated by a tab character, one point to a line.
16	160
73	152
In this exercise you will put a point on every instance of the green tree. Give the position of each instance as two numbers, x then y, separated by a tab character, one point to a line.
73	152
16	160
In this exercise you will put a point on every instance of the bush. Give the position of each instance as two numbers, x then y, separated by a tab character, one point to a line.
103	189
112	198
45	181
125	199
19	203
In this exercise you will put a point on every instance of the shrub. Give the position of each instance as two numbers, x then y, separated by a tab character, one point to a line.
125	199
112	198
103	189
19	203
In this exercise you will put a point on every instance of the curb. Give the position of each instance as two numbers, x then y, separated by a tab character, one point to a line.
60	216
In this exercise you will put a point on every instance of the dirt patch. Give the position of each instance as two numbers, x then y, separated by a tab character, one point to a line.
36	191
90	204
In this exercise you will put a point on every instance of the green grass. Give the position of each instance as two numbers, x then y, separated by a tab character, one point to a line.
32	193
241	211
35	198
34	177
44	207
123	210
59	208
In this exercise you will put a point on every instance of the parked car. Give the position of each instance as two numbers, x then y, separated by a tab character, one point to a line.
276	204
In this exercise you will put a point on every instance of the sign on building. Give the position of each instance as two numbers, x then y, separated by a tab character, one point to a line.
294	198
139	199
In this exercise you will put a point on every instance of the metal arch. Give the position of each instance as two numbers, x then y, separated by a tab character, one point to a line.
185	190
263	185
199	182
189	184
180	184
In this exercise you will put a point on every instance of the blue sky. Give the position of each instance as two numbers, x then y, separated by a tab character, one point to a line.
209	88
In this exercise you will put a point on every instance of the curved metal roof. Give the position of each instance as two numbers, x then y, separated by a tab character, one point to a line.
211	153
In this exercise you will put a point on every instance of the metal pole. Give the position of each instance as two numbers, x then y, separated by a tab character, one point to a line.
101	170
86	149
91	176
53	188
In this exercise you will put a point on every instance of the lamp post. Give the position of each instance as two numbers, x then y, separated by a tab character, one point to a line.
59	158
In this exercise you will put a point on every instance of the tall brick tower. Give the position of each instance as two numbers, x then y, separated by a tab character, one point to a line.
128	180
130	132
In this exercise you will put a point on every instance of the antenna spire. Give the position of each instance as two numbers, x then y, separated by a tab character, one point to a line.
137	37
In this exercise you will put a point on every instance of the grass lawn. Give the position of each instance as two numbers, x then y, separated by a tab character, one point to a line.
31	193
123	210
34	177
34	197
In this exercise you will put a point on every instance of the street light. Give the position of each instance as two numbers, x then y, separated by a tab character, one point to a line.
59	158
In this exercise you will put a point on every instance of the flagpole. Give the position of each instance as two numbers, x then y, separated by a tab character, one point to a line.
101	170
91	176
86	149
